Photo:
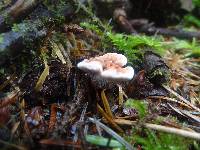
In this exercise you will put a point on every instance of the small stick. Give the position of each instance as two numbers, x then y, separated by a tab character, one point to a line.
181	98
181	132
179	33
169	99
120	95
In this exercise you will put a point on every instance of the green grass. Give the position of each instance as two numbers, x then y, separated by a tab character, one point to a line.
152	140
187	48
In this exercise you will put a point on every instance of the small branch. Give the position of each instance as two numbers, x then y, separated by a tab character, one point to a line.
181	98
181	132
121	19
179	33
170	100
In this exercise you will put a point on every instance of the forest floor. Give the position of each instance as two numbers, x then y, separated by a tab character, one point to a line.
47	101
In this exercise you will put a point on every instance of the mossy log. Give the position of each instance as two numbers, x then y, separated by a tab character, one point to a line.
28	33
156	69
12	42
19	10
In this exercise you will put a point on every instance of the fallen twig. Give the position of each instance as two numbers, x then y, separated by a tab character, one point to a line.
181	98
197	119
179	33
181	132
169	99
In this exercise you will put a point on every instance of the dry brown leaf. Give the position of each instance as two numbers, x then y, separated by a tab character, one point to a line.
10	99
52	120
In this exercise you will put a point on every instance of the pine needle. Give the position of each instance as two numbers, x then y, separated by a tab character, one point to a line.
106	104
109	119
42	77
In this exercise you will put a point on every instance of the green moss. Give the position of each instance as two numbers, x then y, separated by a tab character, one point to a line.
1	38
133	46
187	48
139	105
152	140
192	20
196	3
27	26
58	9
15	28
161	73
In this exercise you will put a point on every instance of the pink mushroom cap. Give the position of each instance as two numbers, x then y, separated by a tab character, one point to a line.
108	66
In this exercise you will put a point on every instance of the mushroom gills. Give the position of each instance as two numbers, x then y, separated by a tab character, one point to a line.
122	74
94	66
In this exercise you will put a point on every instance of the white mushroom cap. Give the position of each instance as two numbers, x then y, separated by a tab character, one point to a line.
115	58
94	66
109	66
118	74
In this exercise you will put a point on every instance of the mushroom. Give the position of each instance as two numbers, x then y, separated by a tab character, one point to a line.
118	73
109	66
88	65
